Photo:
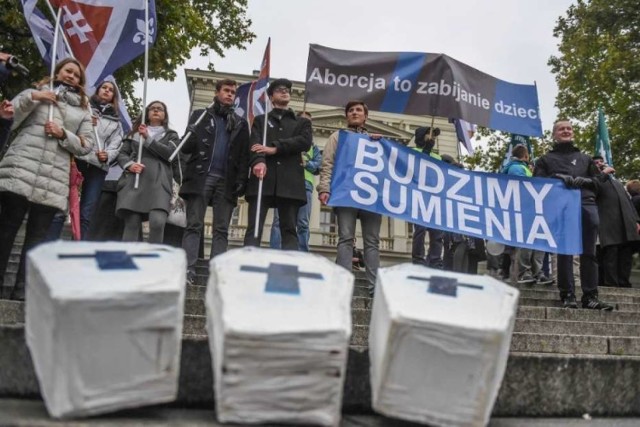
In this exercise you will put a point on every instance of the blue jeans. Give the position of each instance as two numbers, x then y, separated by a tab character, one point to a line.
302	224
91	190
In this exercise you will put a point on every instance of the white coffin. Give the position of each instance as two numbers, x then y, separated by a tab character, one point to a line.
278	356
438	344
103	339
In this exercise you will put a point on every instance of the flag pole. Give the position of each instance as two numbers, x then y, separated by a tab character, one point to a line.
144	87
64	39
54	47
264	143
459	142
68	46
186	137
433	120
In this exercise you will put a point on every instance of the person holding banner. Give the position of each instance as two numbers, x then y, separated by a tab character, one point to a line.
529	260
356	113
576	169
152	198
425	141
278	164
216	171
34	173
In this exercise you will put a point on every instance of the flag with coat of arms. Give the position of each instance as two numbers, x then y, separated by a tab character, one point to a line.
106	34
251	97
103	35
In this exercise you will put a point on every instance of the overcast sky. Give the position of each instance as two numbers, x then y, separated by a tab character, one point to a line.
511	40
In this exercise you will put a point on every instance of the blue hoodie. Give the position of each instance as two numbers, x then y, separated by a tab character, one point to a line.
517	167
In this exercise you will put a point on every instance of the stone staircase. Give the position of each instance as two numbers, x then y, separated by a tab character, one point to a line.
562	363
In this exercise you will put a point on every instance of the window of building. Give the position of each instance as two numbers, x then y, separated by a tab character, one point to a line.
328	221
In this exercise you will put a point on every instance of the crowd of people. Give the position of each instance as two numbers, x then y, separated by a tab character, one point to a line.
58	131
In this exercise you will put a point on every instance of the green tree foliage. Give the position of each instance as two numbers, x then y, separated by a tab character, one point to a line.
599	64
490	152
210	25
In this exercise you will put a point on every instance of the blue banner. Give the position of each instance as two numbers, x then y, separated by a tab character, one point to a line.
390	179
421	83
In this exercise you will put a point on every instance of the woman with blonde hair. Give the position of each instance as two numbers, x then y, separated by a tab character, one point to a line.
34	173
95	165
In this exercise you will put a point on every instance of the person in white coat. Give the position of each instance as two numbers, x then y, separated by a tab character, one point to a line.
34	173
95	165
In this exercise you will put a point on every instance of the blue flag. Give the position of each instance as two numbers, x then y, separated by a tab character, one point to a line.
388	178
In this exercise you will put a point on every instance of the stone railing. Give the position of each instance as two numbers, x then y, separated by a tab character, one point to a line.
236	232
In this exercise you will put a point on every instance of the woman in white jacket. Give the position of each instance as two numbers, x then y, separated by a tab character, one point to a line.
95	165
34	173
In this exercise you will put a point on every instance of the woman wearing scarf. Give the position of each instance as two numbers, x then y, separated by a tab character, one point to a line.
152	197
95	165
34	173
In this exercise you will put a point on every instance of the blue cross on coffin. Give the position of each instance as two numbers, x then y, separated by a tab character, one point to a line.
447	286
112	260
282	278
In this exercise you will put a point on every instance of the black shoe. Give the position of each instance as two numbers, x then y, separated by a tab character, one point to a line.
191	279
544	280
569	301
526	279
593	303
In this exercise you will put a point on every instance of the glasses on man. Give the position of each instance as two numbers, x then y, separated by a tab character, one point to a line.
282	89
160	109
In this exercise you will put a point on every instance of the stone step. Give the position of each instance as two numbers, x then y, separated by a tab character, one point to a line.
602	290
566	327
31	412
12	312
535	384
551	313
575	344
535	302
607	296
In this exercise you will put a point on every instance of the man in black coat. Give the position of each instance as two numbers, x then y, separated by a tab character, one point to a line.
618	228
565	161
216	171
279	165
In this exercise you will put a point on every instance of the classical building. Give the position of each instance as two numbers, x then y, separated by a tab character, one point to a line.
395	235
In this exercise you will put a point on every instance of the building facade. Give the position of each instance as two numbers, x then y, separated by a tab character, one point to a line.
395	235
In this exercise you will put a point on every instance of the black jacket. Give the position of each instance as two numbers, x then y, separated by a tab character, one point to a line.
199	148
5	130
292	136
567	159
618	216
